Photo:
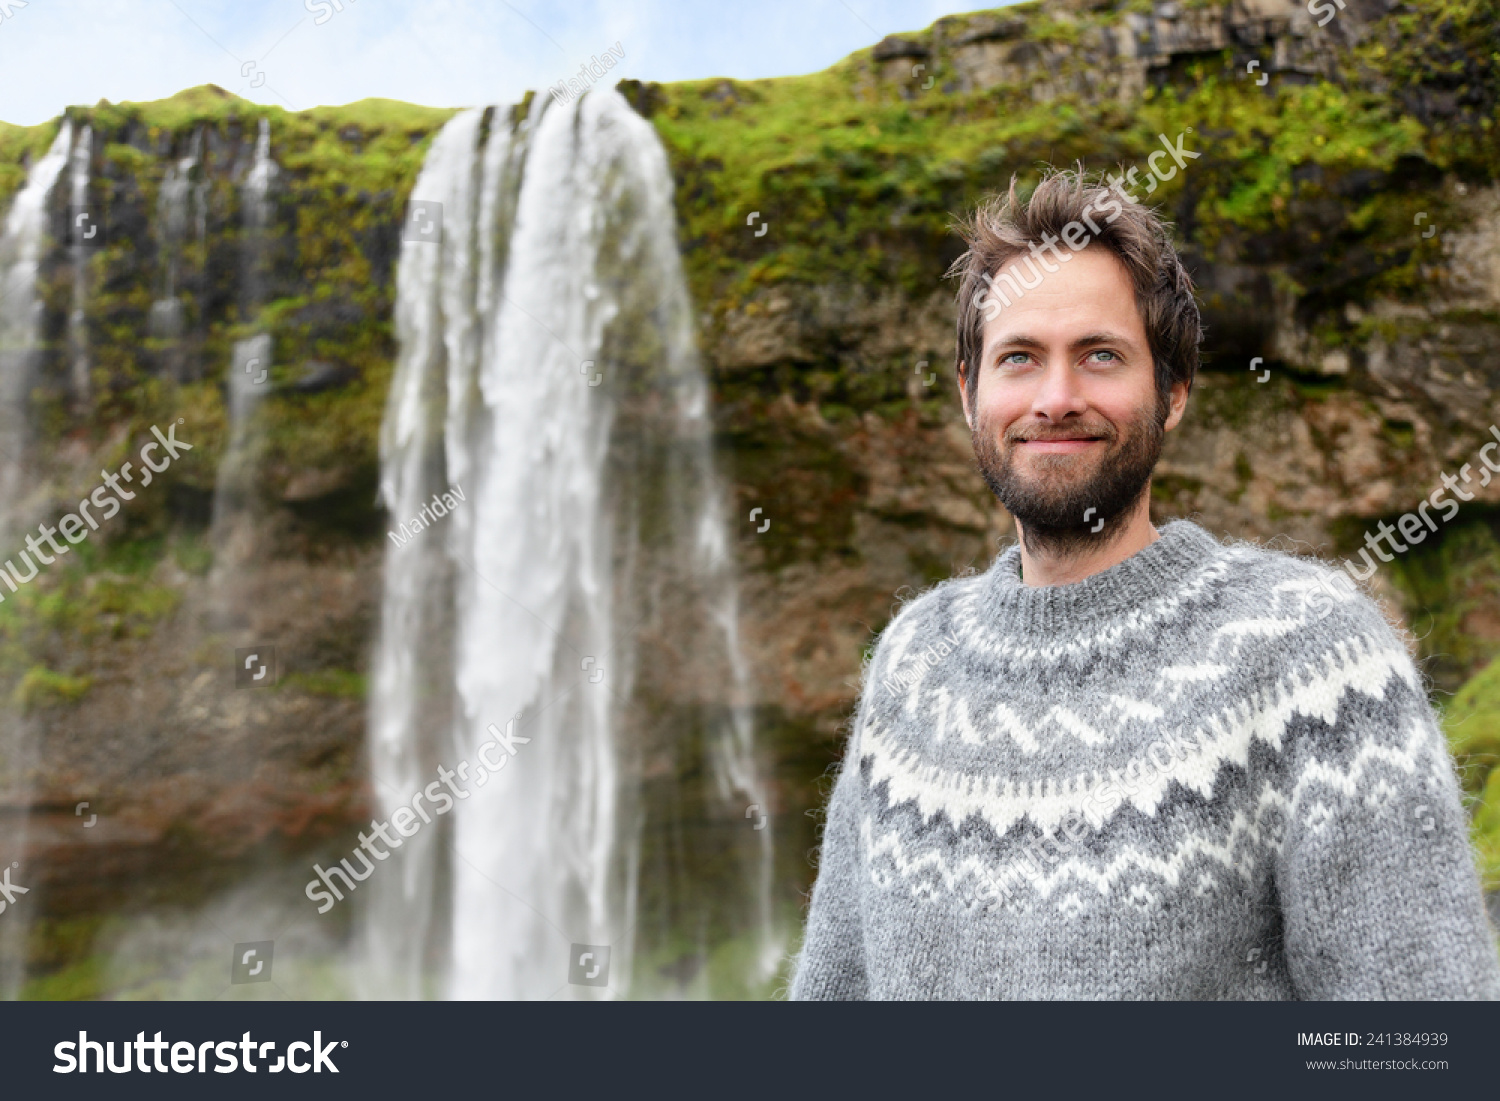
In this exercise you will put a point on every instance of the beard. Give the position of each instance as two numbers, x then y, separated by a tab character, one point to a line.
1051	499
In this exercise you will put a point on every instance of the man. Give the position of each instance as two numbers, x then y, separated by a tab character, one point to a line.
1129	763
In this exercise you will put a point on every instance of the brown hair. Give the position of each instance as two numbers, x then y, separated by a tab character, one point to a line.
1003	227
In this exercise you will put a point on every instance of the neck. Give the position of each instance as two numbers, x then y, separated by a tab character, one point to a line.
1046	567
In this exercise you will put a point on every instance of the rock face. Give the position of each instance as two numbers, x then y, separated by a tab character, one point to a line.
1100	50
1342	225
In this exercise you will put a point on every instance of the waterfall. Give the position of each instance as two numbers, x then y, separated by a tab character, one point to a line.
78	341
21	242
258	180
232	532
20	253
580	602
179	199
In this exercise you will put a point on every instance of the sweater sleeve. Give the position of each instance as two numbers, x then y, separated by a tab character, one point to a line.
831	966
1379	894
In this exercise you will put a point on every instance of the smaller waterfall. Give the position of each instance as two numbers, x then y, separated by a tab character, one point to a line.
263	172
21	242
180	198
232	531
80	252
20	254
249	368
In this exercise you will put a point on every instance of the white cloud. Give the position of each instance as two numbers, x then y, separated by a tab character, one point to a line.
444	52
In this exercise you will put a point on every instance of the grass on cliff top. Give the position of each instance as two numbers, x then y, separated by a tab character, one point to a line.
20	146
367	146
846	168
210	103
370	167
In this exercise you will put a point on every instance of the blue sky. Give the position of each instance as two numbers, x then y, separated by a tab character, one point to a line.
301	53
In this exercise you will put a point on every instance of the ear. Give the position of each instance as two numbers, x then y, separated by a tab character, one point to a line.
1177	405
963	393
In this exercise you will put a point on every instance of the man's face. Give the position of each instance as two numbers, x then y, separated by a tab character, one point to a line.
1066	417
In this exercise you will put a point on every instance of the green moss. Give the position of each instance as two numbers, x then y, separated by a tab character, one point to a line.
41	687
1400	435
191	551
1314	389
1485	833
79	981
342	683
1046	27
1244	473
1442	581
1472	720
102	593
1472	723
20	145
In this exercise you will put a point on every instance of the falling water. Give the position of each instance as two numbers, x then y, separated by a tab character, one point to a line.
179	199
81	250
232	533
584	588
20	311
258	180
21	243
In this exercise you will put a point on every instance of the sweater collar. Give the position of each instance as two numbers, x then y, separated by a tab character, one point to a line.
1156	572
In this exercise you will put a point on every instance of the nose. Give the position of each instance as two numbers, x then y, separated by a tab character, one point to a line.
1058	395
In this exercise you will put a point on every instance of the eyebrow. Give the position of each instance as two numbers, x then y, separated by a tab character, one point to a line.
1021	340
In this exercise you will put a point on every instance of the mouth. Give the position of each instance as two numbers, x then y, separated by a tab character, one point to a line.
1059	445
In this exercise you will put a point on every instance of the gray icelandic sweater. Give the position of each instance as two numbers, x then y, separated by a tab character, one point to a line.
1184	777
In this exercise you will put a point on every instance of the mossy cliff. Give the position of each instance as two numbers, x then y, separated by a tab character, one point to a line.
1306	219
826	326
